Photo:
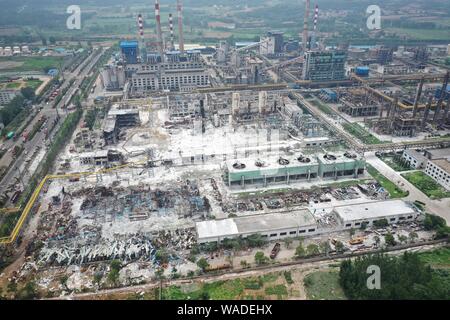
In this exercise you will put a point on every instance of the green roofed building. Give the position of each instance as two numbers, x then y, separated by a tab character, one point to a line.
294	168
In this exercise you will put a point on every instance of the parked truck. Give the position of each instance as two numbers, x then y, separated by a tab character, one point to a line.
275	251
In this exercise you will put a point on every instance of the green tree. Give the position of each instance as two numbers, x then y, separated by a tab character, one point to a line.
402	238
162	256
390	240
244	264
312	249
324	247
352	232
339	247
300	251
382	223
260	258
113	275
29	292
202	263
28	93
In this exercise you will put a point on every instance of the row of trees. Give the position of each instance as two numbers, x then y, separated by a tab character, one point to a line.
404	277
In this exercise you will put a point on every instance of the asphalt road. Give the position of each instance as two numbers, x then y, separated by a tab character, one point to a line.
13	176
439	207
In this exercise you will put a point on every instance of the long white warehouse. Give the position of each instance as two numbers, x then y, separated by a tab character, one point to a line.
304	222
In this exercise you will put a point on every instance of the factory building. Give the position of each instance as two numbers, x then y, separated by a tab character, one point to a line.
117	119
394	211
100	157
181	75
130	51
414	159
382	55
305	222
113	77
439	170
271	226
291	169
272	43
324	65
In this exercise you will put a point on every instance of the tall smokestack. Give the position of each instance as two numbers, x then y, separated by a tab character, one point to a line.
419	93
158	29
313	37
305	26
180	25
172	38
141	26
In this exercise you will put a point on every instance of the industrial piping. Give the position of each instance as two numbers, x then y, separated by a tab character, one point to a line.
419	93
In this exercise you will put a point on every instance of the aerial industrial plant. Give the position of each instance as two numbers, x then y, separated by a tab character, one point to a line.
149	158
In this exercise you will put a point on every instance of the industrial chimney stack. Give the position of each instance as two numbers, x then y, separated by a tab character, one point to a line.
305	26
172	40
180	25
158	30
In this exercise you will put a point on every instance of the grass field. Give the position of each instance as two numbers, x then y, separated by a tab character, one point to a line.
427	185
23	64
439	258
361	133
267	286
394	191
33	84
323	285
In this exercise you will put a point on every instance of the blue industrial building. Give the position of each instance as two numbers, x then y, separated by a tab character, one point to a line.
330	94
438	92
362	71
129	51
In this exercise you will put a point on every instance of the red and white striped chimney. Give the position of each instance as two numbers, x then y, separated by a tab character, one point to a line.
180	24
172	38
305	26
316	16
158	29
141	26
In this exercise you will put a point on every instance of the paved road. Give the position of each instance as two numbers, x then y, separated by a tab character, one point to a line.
53	114
438	207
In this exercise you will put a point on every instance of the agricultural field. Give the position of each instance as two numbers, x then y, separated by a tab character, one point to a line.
24	64
421	34
427	185
394	191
